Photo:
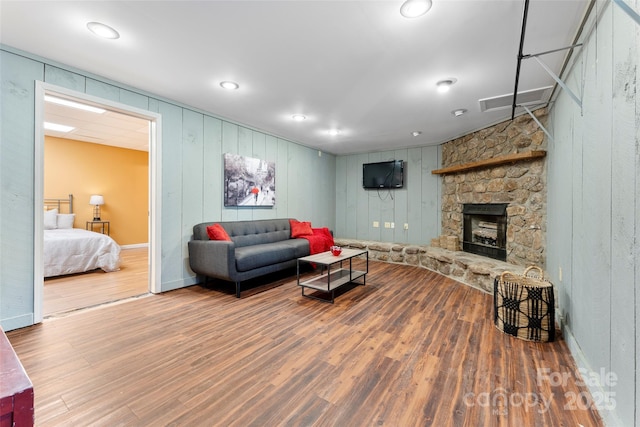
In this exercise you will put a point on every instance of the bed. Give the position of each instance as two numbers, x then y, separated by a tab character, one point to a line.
69	250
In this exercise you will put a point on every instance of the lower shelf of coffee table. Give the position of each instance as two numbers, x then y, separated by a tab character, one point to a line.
337	278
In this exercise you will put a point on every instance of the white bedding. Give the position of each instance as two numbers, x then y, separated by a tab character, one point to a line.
73	250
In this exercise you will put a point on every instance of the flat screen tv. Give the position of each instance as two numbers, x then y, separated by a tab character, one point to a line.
383	174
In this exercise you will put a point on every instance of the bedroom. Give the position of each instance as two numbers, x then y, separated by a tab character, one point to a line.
104	154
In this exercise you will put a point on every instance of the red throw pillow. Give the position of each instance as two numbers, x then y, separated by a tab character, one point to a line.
216	232
299	229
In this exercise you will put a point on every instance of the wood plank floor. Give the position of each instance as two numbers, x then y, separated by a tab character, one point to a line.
411	348
64	294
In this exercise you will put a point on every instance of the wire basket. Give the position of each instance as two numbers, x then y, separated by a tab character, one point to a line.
524	305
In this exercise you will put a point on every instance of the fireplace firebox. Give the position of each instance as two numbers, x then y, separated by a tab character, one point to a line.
485	229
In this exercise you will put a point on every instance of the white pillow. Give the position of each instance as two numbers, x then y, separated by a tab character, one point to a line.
66	220
51	219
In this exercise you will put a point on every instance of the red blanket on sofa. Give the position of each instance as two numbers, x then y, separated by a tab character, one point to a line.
320	241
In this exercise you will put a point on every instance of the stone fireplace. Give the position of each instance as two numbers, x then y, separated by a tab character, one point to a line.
485	229
519	186
475	173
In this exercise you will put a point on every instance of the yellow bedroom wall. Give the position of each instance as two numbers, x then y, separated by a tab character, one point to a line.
119	174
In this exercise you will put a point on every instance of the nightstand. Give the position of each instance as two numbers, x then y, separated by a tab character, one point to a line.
104	226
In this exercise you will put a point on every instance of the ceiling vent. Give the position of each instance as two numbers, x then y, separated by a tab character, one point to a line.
527	97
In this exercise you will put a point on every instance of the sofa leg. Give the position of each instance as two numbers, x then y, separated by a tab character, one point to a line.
237	289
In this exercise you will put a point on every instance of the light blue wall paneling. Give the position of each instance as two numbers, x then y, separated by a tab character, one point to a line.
341	195
192	179
635	47
245	141
17	149
593	268
416	204
213	175
282	180
102	90
594	211
134	99
259	151
325	208
361	217
64	78
297	183
245	148
430	198
300	183
353	185
305	182
229	145
373	204
172	266
560	161
191	183
387	205
401	201
270	154
625	156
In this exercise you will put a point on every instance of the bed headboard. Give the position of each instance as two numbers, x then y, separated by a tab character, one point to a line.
63	205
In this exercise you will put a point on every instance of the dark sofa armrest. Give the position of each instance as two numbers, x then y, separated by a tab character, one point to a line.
213	258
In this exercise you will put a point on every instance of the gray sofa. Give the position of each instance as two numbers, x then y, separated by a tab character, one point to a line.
257	248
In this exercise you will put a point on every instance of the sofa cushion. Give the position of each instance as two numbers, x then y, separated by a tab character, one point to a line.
255	256
216	232
300	247
299	229
248	233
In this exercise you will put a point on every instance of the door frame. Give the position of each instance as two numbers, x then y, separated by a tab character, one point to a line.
154	187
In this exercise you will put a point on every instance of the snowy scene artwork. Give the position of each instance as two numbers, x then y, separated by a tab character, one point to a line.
249	181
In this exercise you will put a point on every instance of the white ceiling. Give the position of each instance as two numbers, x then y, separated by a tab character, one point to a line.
108	128
357	66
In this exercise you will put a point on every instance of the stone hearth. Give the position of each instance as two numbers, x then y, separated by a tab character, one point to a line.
473	270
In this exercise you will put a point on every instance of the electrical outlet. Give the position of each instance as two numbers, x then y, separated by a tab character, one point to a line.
406	226
393	225
376	224
387	225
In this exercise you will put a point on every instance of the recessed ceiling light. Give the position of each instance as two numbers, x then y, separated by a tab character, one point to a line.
445	85
333	132
299	117
73	104
58	128
458	112
102	30
229	85
415	8
416	133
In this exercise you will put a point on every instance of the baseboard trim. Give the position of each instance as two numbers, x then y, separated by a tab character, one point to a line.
177	284
135	246
17	322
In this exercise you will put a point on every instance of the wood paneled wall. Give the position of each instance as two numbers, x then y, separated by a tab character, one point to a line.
193	143
594	208
417	204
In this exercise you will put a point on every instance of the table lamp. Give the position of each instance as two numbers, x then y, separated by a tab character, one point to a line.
96	200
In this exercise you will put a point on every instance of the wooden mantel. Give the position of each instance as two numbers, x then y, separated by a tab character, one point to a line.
500	160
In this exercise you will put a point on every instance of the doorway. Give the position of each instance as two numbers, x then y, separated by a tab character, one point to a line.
143	260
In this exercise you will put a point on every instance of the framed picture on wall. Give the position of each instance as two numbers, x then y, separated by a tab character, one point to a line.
248	181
